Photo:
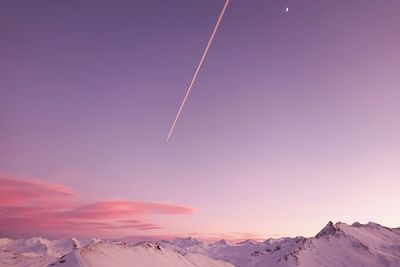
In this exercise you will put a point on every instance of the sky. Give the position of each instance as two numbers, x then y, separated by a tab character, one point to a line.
292	122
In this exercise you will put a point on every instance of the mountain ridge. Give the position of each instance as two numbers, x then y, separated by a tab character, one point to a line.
336	244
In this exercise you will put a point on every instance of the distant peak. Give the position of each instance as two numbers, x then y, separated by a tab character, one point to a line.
222	242
373	224
369	224
186	242
188	239
247	242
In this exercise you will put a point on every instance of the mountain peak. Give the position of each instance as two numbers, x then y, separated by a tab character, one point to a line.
222	242
247	242
186	242
357	224
329	229
369	224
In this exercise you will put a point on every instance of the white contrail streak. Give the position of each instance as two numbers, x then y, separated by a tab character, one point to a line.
198	69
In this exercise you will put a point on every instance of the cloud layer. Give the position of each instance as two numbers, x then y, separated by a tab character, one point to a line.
29	207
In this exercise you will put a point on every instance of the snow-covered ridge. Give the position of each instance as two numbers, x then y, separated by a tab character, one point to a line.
37	251
335	245
144	254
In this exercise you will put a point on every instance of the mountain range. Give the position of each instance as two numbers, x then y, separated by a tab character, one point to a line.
339	244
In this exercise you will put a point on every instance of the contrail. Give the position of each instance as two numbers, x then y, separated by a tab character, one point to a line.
198	68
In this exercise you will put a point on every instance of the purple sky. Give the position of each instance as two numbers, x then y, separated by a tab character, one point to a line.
293	121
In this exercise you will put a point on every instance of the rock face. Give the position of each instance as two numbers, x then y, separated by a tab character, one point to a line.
329	230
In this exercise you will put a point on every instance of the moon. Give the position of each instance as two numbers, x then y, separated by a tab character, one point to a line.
287	9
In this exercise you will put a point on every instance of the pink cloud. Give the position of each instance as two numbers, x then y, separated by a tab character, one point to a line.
118	208
30	207
18	191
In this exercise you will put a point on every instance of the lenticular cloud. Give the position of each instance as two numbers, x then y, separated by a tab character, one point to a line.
30	207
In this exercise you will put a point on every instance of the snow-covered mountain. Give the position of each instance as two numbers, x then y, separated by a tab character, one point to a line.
335	245
33	251
144	254
340	244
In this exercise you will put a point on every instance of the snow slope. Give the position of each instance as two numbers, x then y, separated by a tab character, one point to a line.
356	245
147	254
33	251
36	251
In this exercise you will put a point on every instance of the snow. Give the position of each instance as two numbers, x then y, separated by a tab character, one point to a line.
338	244
36	251
104	254
32	252
335	245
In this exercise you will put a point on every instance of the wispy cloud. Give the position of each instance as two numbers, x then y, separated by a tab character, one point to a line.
30	207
